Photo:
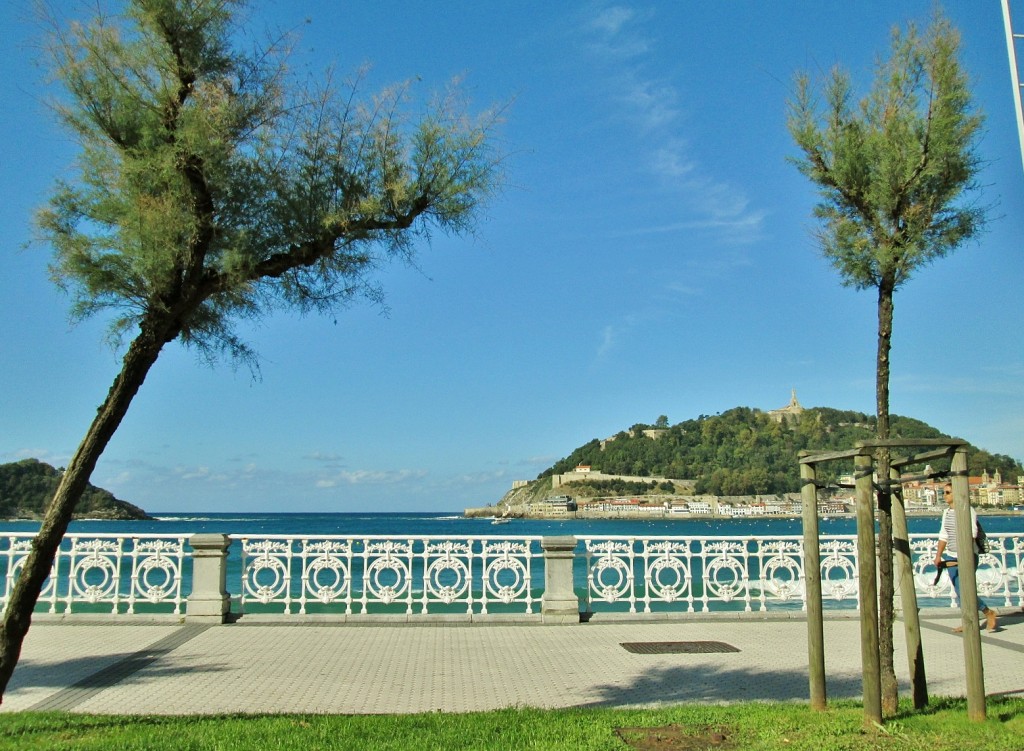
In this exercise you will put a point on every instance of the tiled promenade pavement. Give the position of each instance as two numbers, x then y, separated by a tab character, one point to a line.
284	667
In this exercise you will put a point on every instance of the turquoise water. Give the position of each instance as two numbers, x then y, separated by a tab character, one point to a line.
451	524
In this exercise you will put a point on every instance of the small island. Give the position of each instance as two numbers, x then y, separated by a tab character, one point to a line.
26	487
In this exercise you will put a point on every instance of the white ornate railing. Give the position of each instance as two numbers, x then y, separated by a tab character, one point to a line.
480	575
741	573
388	574
104	572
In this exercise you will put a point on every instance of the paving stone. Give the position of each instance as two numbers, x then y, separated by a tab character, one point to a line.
170	669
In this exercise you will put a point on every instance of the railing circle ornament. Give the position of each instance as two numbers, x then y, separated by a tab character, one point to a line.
388	579
20	549
447	579
505	579
94	575
839	578
326	577
156	577
266	576
669	578
724	578
611	580
266	579
781	576
990	576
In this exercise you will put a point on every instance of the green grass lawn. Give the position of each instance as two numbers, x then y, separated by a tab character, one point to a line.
944	725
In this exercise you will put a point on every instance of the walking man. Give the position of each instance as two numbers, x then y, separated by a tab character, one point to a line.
946	555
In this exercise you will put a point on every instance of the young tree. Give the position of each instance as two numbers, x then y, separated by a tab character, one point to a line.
894	175
210	189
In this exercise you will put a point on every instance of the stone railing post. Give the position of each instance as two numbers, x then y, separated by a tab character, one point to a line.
209	601
559	604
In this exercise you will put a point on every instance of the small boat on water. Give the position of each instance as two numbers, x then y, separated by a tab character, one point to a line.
500	520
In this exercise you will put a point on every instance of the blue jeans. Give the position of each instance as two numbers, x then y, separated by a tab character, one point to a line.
954	577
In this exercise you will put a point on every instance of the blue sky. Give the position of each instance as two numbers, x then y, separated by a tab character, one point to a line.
651	255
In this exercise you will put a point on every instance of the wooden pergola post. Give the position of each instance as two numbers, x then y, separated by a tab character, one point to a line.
908	594
863	457
973	665
812	584
868	588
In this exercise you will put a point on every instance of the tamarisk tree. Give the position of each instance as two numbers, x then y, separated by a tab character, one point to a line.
210	188
894	175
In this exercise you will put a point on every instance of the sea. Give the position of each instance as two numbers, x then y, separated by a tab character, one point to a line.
453	524
448	525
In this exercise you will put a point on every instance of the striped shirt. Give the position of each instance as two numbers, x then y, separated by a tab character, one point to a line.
948	531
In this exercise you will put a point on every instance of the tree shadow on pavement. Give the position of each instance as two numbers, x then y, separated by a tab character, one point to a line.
97	671
703	683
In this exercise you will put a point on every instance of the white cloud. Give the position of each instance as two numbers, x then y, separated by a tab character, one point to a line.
609	33
623	42
652	104
371	477
739	225
609	338
232	485
952	383
621	330
46	456
324	456
686	290
670	161
476	479
199	473
611	20
122	478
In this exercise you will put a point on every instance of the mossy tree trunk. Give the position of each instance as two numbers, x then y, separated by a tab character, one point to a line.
17	616
211	189
886	580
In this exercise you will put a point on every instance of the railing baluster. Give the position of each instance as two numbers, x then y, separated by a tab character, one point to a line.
304	583
243	590
117	576
134	572
645	554
364	600
746	574
179	571
288	577
55	580
470	559
528	576
350	546
425	577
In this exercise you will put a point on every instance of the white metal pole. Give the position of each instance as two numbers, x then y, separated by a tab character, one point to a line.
1012	52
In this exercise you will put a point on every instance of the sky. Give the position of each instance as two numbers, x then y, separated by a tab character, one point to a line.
650	254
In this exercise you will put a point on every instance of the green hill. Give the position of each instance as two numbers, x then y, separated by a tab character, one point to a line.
746	451
26	487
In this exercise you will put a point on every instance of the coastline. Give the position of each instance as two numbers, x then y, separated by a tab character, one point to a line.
493	512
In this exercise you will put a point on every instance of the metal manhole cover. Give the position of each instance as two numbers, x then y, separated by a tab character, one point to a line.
677	647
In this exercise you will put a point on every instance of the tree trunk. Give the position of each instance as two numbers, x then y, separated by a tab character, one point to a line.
17	616
886	596
886	583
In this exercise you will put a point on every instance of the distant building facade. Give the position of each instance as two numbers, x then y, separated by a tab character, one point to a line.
986	490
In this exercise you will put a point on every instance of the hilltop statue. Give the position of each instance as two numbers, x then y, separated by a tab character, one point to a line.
792	410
